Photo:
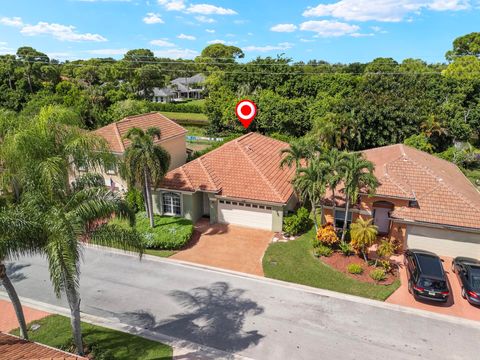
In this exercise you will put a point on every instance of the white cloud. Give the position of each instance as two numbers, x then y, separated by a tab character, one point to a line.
162	43
172	5
176	53
210	31
103	0
186	37
207	9
268	48
357	34
152	18
284	28
204	19
327	28
306	40
12	21
60	32
382	10
107	51
217	41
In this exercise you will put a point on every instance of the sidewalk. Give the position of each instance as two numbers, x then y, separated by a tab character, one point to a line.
8	319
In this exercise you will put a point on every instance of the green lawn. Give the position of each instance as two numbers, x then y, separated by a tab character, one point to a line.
293	262
185	116
160	253
55	331
195	130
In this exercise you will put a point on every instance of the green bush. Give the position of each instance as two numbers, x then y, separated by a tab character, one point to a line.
134	199
346	249
322	250
297	223
355	269
378	274
182	107
169	233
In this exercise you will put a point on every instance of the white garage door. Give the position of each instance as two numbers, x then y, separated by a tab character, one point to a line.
245	214
444	242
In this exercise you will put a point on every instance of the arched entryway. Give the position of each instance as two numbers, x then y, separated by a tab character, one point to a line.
381	215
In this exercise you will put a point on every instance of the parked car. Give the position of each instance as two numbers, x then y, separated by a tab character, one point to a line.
426	277
468	274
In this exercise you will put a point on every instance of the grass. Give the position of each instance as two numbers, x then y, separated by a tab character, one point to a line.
185	116
160	253
55	331
294	262
195	130
473	176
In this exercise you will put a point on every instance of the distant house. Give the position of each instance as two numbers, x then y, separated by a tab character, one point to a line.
180	89
172	140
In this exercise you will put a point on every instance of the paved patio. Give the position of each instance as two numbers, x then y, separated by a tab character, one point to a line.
8	319
455	306
227	246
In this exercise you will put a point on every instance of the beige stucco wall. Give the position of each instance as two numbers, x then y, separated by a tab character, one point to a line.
177	148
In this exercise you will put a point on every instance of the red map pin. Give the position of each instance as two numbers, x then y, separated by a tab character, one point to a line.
246	111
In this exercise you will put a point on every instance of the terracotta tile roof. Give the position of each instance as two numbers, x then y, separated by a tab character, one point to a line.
14	348
245	168
115	132
444	195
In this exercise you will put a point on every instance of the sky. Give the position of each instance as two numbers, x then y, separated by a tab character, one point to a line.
332	30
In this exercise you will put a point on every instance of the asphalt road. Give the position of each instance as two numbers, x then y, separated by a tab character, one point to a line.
253	317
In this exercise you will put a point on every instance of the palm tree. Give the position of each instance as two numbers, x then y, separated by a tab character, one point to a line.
295	153
334	160
17	234
310	185
357	176
145	164
363	234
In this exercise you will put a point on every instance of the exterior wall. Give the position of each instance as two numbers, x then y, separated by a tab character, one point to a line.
277	218
177	147
192	206
292	203
366	202
213	204
157	202
398	233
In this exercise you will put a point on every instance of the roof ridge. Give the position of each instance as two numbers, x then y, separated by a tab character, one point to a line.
119	138
182	168
212	182
394	183
279	196
135	116
411	192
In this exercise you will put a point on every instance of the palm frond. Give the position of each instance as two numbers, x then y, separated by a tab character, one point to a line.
117	236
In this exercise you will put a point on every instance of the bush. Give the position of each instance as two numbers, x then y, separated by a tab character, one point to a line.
346	249
322	250
378	274
297	223
327	235
134	199
386	265
355	269
182	107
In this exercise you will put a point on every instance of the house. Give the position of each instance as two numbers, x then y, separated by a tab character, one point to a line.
14	348
172	139
238	183
422	202
180	89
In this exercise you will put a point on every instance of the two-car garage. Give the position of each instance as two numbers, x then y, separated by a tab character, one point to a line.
444	242
245	214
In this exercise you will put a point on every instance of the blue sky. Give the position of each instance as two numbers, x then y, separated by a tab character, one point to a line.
332	30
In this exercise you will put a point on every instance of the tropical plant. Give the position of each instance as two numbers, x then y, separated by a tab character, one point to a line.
363	234
295	153
378	275
346	249
297	223
322	250
355	269
145	164
309	184
327	235
357	177
386	248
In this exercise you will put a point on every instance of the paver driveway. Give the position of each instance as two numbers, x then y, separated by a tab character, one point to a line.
456	305
227	246
8	319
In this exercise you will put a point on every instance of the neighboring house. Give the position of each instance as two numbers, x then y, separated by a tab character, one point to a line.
239	183
422	201
14	348
180	89
172	139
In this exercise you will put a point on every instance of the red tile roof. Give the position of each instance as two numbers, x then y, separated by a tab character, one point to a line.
244	168
14	348
444	195
115	132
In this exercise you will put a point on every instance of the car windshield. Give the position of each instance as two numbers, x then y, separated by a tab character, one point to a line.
432	284
475	278
430	265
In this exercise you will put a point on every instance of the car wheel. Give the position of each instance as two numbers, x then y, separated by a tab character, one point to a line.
464	294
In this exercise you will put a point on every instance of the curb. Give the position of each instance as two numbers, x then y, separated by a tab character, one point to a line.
181	348
322	292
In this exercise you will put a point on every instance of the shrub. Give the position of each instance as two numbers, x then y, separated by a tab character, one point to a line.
355	269
346	249
386	265
363	234
180	107
327	235
322	250
134	198
297	223
378	274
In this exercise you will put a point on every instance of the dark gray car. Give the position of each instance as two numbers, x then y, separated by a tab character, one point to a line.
468	274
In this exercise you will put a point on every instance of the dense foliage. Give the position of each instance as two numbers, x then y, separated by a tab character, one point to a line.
297	223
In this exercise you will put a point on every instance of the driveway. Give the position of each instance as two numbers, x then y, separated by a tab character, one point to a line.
227	246
456	305
8	319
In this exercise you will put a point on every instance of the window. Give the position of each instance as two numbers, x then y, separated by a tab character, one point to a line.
241	204
234	203
268	208
227	202
222	202
261	207
340	219
255	206
171	204
248	205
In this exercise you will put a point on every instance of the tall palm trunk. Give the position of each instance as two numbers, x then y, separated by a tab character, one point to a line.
334	208
17	306
145	203
74	304
347	207
148	191
314	209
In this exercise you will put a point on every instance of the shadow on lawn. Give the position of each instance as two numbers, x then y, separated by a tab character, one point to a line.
214	316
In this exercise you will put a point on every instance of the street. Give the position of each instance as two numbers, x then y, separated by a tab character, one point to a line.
252	317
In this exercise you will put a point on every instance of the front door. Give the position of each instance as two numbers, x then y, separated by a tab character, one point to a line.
206	205
381	220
